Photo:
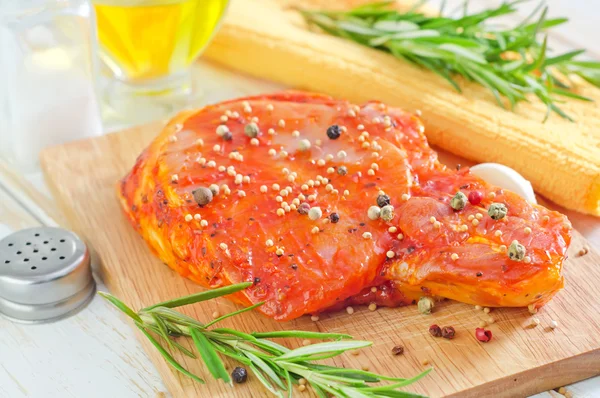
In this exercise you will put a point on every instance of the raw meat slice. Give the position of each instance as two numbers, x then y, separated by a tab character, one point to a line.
272	157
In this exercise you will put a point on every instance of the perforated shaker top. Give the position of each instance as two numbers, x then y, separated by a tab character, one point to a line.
45	274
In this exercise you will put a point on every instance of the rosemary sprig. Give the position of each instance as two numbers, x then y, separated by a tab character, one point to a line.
511	63
277	367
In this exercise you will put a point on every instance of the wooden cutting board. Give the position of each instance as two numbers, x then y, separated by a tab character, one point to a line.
518	361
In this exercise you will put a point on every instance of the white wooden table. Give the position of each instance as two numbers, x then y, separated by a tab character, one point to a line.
95	354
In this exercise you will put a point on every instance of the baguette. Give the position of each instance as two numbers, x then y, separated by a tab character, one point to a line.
268	39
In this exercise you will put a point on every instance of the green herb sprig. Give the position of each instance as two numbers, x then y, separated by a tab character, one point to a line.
277	367
512	63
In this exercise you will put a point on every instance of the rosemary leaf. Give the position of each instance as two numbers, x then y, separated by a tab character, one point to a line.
301	334
168	356
202	296
120	305
511	62
263	379
266	369
277	367
209	356
219	319
399	384
323	348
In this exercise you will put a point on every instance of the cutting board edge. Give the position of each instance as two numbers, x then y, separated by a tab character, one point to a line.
534	381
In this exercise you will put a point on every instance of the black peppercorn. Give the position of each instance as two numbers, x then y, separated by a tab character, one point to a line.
228	136
256	280
383	200
239	375
334	217
342	170
333	132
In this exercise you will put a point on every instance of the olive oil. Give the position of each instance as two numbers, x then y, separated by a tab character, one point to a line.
147	40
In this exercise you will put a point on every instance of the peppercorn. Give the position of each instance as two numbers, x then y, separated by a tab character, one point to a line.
398	350
251	130
334	217
516	251
435	331
483	335
425	305
202	196
315	213
333	132
387	213
239	375
303	208
459	201
373	213
448	332
475	197
228	136
383	200
497	211
342	170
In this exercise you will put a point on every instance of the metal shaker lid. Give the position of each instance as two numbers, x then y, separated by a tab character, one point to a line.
45	274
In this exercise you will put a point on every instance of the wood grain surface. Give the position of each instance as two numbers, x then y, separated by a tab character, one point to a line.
519	360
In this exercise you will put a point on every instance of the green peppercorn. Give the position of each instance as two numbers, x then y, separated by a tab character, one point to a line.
497	211
425	305
387	213
251	130
459	201
516	251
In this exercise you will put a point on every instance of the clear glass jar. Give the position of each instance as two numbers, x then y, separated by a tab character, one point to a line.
47	77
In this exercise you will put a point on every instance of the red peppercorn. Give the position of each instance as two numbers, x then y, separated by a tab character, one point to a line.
475	197
398	350
448	332
435	331
483	335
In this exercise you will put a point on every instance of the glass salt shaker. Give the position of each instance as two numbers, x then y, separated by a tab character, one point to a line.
47	77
